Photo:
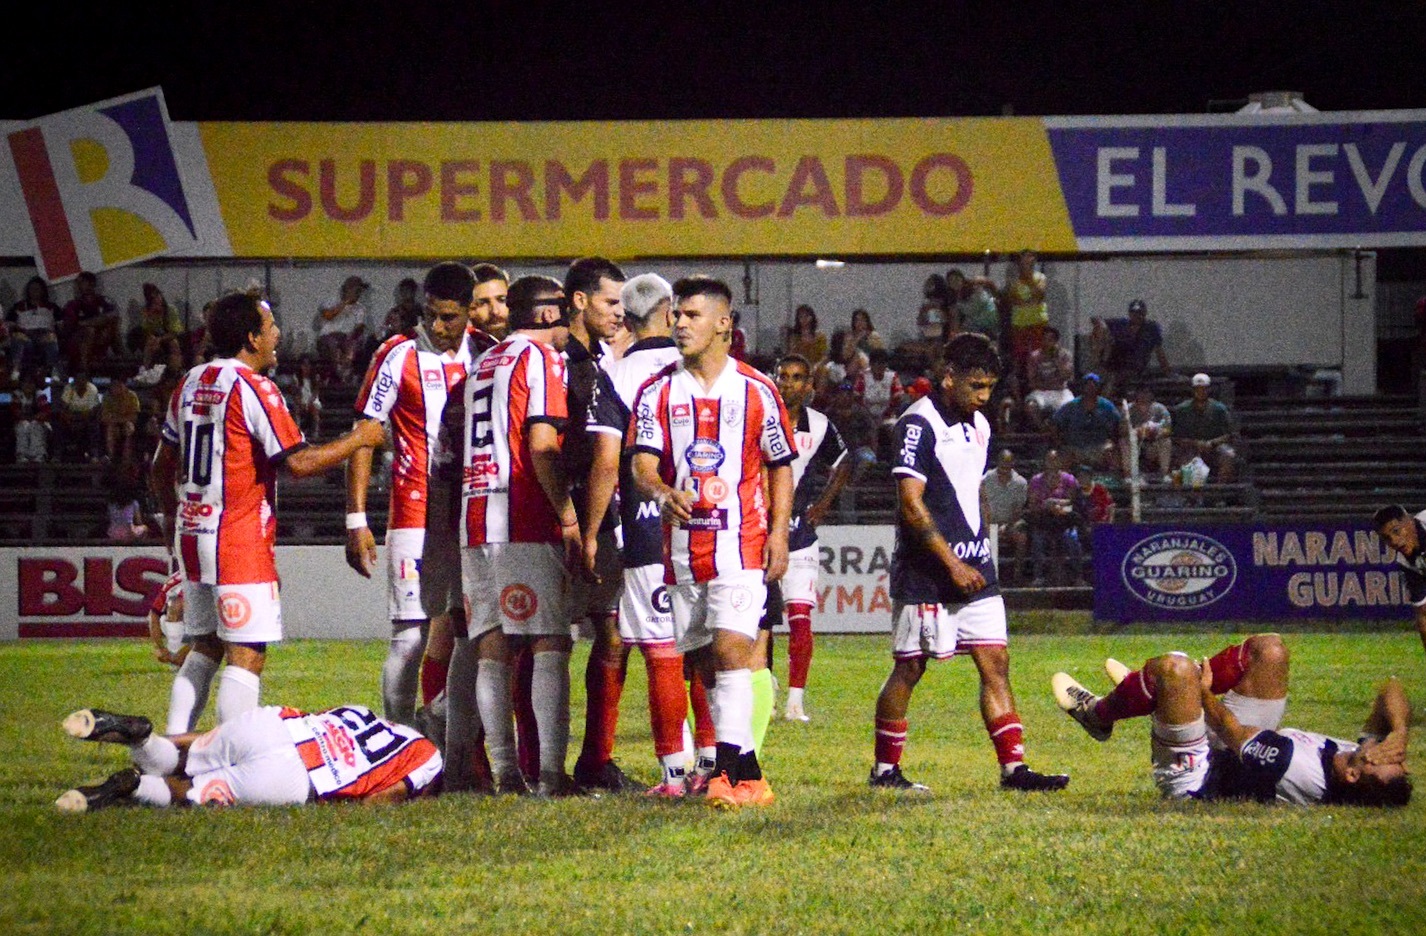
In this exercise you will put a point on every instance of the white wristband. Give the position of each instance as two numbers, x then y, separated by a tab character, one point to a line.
356	521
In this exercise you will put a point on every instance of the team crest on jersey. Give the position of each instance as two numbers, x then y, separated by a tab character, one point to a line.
234	610
682	414
518	602
705	455
740	599
732	412
433	379
715	490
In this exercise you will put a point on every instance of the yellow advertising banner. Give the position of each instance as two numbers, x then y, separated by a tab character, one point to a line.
695	188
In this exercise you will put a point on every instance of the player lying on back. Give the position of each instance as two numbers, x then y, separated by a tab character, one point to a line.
270	756
1215	731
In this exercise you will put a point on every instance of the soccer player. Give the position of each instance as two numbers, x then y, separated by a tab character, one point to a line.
819	473
594	287
1206	747
944	595
227	433
489	312
271	756
520	539
704	430
1407	535
166	623
645	617
406	388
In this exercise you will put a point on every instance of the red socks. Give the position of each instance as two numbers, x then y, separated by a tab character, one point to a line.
704	735
1132	697
1228	666
527	737
799	644
668	699
890	740
603	685
1008	736
433	678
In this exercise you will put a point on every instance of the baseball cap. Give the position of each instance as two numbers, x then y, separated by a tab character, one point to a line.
1201	380
1138	305
1093	376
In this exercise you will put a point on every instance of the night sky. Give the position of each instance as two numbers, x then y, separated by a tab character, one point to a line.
530	61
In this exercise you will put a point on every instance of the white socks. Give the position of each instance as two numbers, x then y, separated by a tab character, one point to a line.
155	755
153	791
549	693
731	702
189	695
794	698
402	671
237	692
492	694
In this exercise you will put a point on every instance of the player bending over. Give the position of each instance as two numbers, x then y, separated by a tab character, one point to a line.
1206	747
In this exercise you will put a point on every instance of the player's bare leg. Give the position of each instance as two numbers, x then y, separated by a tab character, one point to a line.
892	705
1002	722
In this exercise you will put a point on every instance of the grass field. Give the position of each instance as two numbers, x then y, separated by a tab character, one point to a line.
1105	856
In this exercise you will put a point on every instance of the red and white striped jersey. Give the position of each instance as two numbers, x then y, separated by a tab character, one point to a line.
232	429
406	388
349	753
514	385
714	444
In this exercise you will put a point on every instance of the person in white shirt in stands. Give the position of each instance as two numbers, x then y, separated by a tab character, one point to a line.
343	325
1003	494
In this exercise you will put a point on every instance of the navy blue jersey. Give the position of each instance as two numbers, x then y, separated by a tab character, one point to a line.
610	410
819	451
1289	765
949	455
1414	567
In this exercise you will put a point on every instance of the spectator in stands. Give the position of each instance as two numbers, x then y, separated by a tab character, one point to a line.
308	399
342	328
1093	504
854	421
1049	513
127	523
738	349
31	414
864	335
1004	494
845	363
1123	347
1087	427
1029	313
402	317
973	304
30	325
80	431
1048	373
90	323
119	414
195	344
803	337
1152	425
158	337
1204	427
881	388
931	317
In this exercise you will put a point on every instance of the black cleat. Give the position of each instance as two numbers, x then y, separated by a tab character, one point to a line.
560	786
115	791
1078	703
894	780
607	777
1025	779
512	784
99	725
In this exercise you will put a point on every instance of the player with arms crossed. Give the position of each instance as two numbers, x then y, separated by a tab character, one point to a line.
703	433
271	756
819	473
1206	747
406	388
1407	536
227	433
520	538
944	596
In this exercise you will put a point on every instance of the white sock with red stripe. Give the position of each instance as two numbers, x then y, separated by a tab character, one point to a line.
238	692
189	695
492	696
155	755
549	694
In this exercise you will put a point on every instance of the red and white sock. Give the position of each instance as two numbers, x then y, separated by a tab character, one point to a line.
890	742
1228	666
799	643
1135	695
1008	736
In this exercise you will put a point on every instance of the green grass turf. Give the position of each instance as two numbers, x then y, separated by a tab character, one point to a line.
1106	856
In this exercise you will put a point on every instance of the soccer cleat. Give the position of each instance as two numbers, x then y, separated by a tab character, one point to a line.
794	712
99	725
1027	780
559	786
1116	670
893	779
608	778
697	783
754	793
512	784
1078	702
118	789
668	789
721	794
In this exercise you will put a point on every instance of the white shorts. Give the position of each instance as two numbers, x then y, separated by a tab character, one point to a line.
520	588
589	600
733	601
248	760
799	584
942	631
440	555
1180	752
645	607
404	567
236	613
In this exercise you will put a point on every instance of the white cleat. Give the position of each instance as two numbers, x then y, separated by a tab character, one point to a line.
1116	670
1078	702
795	713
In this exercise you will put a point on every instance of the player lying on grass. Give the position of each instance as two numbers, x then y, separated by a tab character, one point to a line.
1215	731
271	756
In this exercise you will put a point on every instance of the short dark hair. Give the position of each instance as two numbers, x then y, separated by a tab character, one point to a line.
485	272
585	273
1387	514
522	295
702	285
1393	793
878	356
971	351
450	281
793	359
236	318
86	276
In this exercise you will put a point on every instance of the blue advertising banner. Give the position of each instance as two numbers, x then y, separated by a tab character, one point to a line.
1324	180
1145	572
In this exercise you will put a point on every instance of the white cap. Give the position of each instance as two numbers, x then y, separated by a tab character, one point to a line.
1202	380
